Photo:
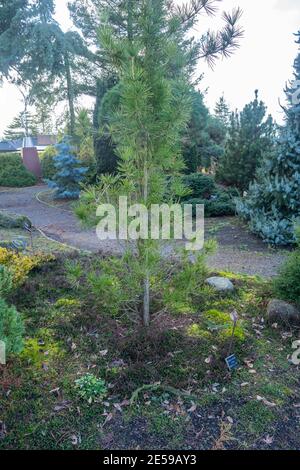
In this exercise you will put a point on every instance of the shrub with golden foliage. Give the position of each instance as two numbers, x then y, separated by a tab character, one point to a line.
20	264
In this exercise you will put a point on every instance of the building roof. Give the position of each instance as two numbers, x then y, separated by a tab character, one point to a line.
40	142
46	140
12	146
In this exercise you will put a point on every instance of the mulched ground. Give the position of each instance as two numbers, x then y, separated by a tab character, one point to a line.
207	428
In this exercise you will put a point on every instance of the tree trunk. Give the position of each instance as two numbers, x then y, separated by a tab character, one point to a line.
26	125
130	19
70	92
146	303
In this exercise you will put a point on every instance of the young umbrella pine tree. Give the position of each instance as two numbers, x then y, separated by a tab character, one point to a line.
153	65
272	204
69	174
152	114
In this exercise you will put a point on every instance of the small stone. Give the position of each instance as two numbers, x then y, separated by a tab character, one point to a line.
282	312
221	284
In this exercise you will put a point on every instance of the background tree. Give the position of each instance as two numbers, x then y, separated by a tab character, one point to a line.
204	139
12	29
22	125
43	116
122	15
84	140
222	111
105	152
87	16
250	136
273	203
38	57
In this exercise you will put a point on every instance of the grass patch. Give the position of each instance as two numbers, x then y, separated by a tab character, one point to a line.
255	418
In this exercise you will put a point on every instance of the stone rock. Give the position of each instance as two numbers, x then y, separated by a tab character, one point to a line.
282	312
221	284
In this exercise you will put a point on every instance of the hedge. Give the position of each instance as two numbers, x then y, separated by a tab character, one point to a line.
13	173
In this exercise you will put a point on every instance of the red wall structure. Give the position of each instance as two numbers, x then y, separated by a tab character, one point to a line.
31	160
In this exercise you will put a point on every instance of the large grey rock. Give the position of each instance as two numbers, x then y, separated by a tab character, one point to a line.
221	284
282	312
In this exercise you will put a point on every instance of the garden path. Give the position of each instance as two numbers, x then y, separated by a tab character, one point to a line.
238	250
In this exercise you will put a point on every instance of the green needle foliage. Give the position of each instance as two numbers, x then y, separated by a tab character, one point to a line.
250	136
11	328
6	281
153	65
11	323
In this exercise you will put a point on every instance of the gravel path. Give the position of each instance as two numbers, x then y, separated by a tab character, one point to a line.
238	250
59	224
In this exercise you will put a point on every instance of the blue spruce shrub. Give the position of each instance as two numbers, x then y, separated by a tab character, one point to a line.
272	205
69	174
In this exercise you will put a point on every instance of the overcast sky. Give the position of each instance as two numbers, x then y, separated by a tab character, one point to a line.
264	60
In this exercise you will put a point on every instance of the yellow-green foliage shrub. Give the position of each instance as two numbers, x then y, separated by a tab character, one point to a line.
20	265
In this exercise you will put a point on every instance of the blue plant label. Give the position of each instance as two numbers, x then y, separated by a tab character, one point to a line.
19	244
232	362
27	227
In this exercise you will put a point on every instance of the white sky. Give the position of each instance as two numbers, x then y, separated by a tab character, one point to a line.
264	60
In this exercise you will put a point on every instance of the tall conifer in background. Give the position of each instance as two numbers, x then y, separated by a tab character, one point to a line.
222	111
250	135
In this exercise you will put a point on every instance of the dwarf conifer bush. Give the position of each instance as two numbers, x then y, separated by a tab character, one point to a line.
6	281
8	220
204	190
20	264
200	185
287	284
11	328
